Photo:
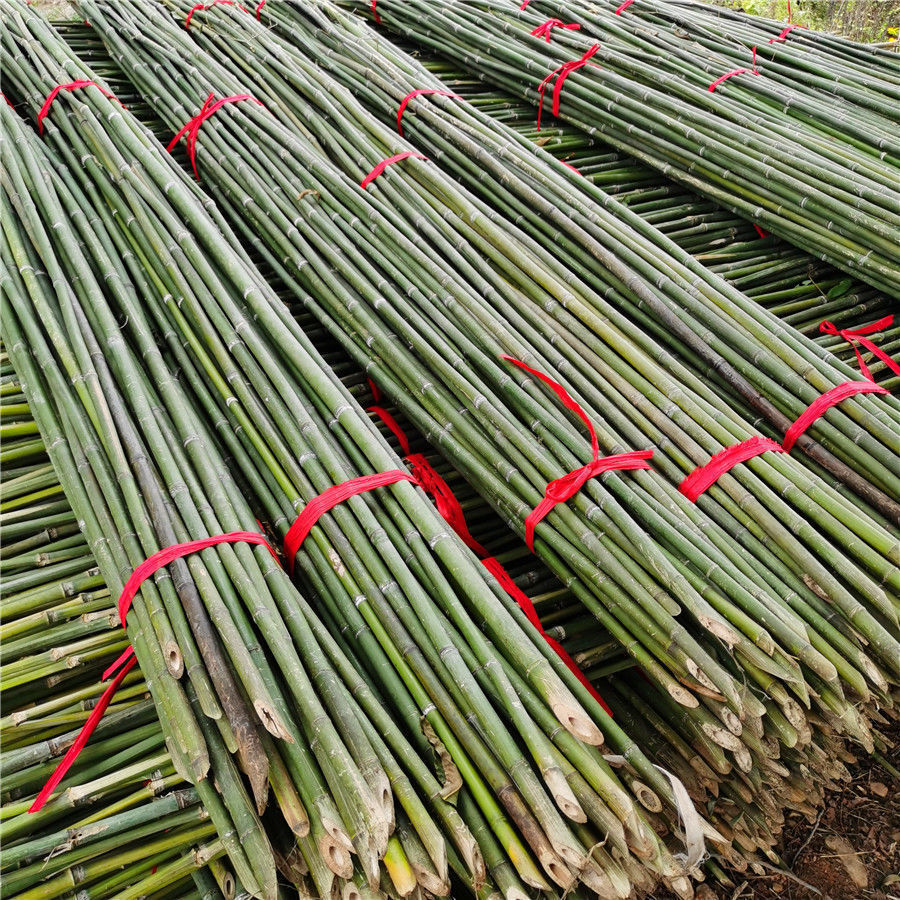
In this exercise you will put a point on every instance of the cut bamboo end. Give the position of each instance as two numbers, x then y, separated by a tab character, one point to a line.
556	869
336	856
563	795
682	695
272	722
576	721
174	659
647	797
430	882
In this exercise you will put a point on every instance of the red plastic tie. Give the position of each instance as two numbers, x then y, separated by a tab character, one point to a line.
785	32
375	12
377	396
562	73
7	101
562	489
177	551
71	86
83	737
790	17
417	93
524	4
727	75
127	660
391	423
759	231
548	26
570	166
826	401
724	461
623	7
859	334
430	480
328	499
524	601
385	163
202	6
191	128
262	3
120	661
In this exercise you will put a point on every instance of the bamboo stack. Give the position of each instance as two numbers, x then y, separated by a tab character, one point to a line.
498	682
127	825
365	334
811	132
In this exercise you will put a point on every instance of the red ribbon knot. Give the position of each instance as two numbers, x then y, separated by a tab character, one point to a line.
562	73
567	486
548	26
71	86
858	335
191	128
202	6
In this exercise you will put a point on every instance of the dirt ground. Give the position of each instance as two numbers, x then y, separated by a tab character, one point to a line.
851	852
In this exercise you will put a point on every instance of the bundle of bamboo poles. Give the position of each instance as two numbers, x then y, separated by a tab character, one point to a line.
804	144
668	295
742	794
127	825
800	289
319	273
494	695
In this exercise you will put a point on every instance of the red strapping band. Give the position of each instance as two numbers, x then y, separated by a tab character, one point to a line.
524	4
524	601
724	461
71	86
430	480
570	166
7	101
191	129
123	658
727	75
785	32
391	423
201	6
548	26
623	7
417	93
562	73
127	660
375	12
177	551
377	396
759	231
328	499
859	334
385	163
262	3
826	401
83	737
562	489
